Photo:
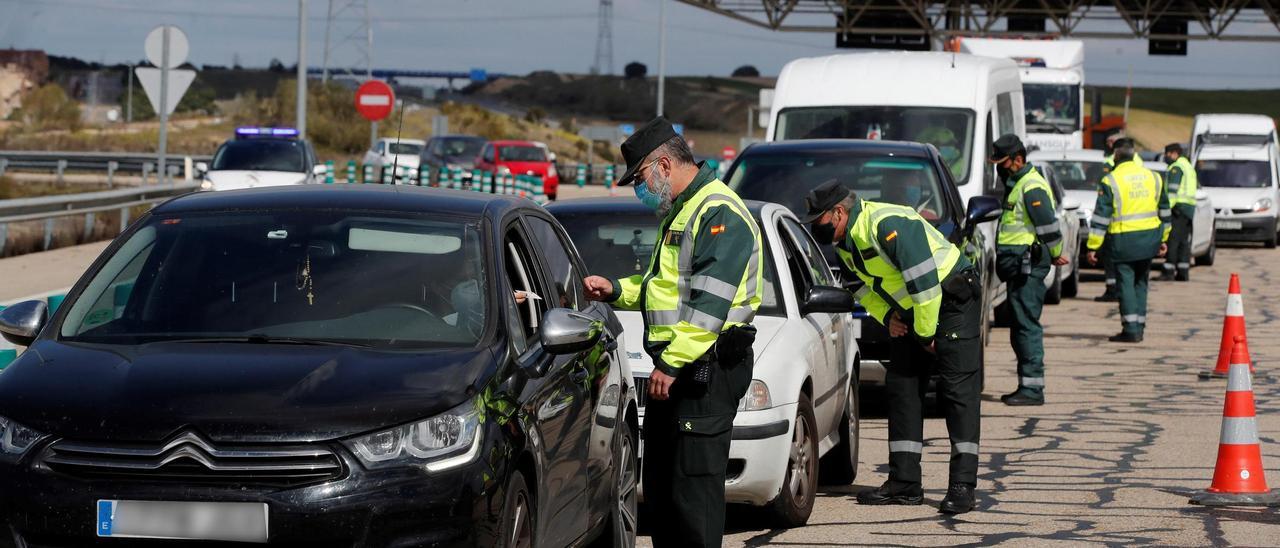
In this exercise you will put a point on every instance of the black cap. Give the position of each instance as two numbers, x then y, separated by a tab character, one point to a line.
641	143
821	199
1007	145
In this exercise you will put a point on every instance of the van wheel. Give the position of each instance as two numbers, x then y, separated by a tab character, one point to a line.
518	525
840	465
800	485
1210	254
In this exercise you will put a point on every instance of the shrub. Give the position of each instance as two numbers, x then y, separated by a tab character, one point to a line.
48	107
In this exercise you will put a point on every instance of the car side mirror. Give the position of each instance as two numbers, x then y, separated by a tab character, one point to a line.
319	169
22	322
565	331
982	209
827	299
1070	204
202	168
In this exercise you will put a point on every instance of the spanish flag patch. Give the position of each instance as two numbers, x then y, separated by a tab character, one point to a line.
1035	203
717	229
891	236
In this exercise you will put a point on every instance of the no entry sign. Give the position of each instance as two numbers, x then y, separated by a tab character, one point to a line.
374	100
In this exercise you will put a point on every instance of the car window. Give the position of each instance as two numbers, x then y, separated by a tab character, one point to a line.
394	281
261	155
1004	108
378	148
801	274
815	262
565	277
1078	174
523	276
522	154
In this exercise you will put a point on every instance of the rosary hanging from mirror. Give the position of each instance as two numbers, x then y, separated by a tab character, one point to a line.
304	282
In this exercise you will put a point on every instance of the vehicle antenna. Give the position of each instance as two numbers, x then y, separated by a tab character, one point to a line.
395	157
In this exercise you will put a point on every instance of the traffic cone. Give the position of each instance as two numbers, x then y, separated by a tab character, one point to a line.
1238	478
1232	327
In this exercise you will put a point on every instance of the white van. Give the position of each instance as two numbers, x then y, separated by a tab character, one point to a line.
957	102
1238	164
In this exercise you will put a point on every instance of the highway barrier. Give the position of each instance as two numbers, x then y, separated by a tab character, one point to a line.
8	352
351	172
368	174
328	172
88	205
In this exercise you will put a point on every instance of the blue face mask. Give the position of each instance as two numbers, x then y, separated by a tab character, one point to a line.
648	198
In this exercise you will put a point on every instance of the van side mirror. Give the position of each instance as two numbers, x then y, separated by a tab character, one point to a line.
22	322
826	299
982	209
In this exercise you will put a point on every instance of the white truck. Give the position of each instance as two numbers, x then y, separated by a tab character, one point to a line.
1052	82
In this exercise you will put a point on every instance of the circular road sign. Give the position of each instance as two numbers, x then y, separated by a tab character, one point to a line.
374	100
178	46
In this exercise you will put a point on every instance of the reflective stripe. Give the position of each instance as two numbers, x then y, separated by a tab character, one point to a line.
1053	243
662	317
1235	305
1031	381
1235	431
965	447
1141	216
862	291
703	320
1110	180
713	286
900	295
1134	318
1184	265
926	266
906	447
1100	232
1098	220
1046	229
928	294
1015	229
741	314
1111	281
1165	213
1238	378
668	318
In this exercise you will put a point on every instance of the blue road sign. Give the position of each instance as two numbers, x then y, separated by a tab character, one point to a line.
627	129
479	75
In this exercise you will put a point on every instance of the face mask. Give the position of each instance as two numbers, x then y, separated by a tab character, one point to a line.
824	233
1169	160
649	199
1004	172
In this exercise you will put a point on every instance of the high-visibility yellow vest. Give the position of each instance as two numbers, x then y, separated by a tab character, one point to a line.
1185	194
1135	192
1016	227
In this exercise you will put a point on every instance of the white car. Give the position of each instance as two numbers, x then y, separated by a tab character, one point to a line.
1064	281
261	156
803	401
1080	171
402	153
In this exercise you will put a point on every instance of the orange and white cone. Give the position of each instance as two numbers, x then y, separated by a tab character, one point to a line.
1238	477
1232	327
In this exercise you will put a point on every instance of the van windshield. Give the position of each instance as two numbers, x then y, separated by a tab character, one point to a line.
948	129
1078	174
303	276
1234	173
1053	108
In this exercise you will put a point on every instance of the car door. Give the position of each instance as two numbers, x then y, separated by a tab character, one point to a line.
808	268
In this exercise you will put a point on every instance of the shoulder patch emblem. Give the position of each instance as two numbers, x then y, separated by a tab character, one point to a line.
1035	203
891	236
717	229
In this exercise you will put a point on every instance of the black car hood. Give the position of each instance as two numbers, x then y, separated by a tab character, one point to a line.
232	392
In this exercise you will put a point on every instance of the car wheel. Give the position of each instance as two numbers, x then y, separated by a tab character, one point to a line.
518	524
624	505
1054	294
1071	287
1209	255
800	485
840	465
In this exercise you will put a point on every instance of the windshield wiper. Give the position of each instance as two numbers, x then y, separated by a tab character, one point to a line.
259	338
1055	127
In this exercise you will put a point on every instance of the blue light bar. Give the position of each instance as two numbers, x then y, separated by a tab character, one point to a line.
266	132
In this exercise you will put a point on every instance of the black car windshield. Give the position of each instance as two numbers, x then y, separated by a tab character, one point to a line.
522	154
1052	108
404	148
617	245
1234	173
948	129
463	147
322	276
1078	174
787	178
260	155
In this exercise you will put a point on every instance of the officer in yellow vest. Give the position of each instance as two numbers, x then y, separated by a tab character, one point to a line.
1182	185
1029	240
1132	213
1110	295
927	293
699	296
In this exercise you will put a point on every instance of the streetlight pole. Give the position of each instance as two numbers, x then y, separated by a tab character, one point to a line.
302	69
662	54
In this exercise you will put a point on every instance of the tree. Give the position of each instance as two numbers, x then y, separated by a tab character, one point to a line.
275	65
635	69
746	71
48	107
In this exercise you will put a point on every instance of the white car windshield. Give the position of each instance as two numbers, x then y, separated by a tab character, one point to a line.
1078	174
260	155
1234	173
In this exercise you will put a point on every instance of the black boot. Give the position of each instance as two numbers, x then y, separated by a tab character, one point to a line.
882	495
1126	337
959	499
1166	275
1107	297
1183	275
1019	398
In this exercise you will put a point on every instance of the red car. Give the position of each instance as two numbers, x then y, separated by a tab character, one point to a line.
521	158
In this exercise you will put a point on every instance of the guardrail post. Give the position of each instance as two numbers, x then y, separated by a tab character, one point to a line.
173	172
146	171
48	233
62	166
89	218
112	166
188	170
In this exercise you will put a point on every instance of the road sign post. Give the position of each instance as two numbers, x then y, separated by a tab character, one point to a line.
166	47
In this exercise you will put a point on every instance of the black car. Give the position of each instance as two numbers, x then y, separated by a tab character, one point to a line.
323	365
910	174
452	152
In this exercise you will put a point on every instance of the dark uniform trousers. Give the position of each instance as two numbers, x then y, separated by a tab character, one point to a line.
958	362
1026	301
1132	283
1111	277
686	451
1179	255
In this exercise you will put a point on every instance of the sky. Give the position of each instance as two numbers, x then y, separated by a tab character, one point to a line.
520	36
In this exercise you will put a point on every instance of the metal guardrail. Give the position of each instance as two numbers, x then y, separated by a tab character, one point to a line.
88	204
110	162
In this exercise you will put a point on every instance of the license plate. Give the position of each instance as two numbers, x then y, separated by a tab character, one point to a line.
225	521
1229	225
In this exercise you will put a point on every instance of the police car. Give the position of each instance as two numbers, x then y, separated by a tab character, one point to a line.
261	156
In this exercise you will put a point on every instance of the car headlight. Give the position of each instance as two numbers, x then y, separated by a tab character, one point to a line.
444	441
206	185
1263	204
504	170
757	397
15	440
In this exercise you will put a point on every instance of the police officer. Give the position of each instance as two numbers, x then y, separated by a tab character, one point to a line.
1028	241
699	294
1181	184
1110	294
1132	213
925	291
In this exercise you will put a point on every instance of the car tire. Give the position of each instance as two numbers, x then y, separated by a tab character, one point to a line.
1071	287
519	526
840	465
1054	294
794	503
1209	254
621	528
